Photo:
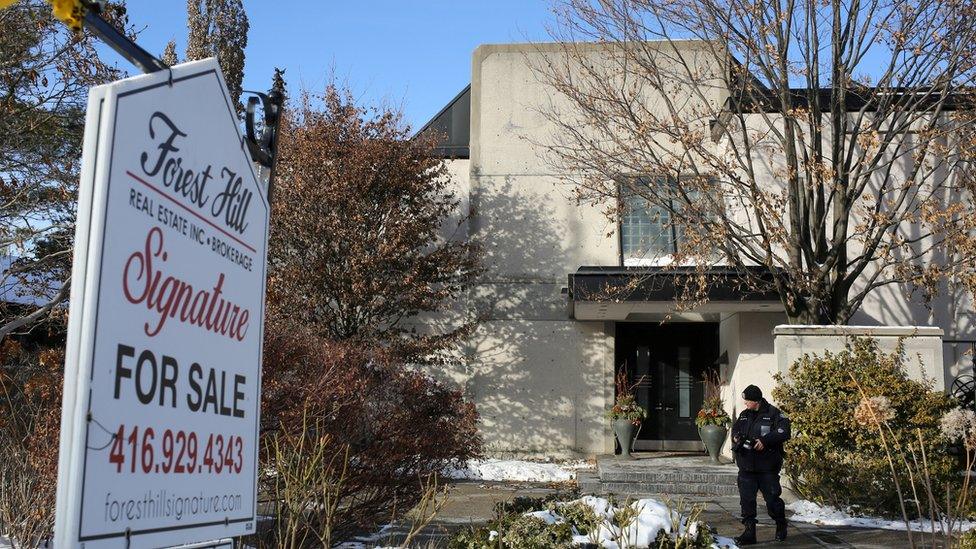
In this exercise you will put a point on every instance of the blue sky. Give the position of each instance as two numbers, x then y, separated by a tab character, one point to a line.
415	54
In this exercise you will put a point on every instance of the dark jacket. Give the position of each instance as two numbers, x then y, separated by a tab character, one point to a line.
770	426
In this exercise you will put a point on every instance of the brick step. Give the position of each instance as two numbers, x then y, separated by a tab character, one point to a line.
590	484
672	489
668	477
590	487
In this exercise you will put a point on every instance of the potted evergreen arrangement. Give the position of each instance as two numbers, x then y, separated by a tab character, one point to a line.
625	415
712	420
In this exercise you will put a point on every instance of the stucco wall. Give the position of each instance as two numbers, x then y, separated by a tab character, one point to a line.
747	340
541	386
754	360
895	304
922	346
540	379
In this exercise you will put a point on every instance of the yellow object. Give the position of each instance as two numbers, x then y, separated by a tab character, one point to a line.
71	12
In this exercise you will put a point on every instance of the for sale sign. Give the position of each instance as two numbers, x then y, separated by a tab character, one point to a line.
159	429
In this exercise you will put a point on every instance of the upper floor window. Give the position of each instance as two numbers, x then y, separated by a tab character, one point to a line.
648	233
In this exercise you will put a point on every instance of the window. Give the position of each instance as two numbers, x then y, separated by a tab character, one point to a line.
646	231
648	235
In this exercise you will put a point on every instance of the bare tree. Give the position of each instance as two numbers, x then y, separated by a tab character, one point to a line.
169	54
819	149
45	73
361	238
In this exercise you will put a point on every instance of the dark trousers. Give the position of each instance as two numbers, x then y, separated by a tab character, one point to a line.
749	485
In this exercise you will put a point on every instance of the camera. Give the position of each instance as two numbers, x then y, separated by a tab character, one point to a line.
744	444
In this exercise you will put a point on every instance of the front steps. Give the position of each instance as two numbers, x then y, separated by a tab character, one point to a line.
654	474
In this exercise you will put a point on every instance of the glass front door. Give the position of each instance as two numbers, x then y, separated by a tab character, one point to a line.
666	363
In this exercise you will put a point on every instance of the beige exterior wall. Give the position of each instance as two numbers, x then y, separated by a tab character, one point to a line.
542	380
922	346
541	386
747	339
952	310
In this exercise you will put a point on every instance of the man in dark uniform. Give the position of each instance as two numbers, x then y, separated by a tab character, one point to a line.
757	441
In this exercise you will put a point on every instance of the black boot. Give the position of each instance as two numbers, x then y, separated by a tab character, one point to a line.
748	536
780	531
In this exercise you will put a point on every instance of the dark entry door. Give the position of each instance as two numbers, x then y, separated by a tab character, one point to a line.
667	364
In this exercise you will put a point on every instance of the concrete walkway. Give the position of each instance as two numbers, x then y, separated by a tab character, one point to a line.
472	503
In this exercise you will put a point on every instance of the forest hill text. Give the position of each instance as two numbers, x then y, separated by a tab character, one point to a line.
167	297
231	203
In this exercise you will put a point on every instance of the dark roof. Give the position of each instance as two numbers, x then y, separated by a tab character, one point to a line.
754	96
664	283
452	126
767	100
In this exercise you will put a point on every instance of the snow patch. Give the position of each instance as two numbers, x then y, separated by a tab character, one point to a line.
652	517
368	542
548	516
814	513
515	470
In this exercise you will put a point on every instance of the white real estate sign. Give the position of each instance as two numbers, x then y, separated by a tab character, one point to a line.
163	371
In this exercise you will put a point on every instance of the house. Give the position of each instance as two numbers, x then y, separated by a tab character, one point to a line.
541	367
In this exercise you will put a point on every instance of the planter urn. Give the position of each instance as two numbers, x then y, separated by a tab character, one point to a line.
714	438
624	430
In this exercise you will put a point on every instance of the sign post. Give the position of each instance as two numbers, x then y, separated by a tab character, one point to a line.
162	389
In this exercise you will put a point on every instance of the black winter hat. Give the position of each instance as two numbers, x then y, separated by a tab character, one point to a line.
752	393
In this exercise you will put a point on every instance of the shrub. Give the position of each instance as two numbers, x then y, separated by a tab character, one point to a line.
529	532
832	458
472	538
687	530
515	531
399	426
525	504
517	527
506	513
967	540
306	474
625	406
580	516
700	537
30	421
306	481
713	410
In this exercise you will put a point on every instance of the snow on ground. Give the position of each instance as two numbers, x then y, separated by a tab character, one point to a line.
516	470
813	513
652	517
372	541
